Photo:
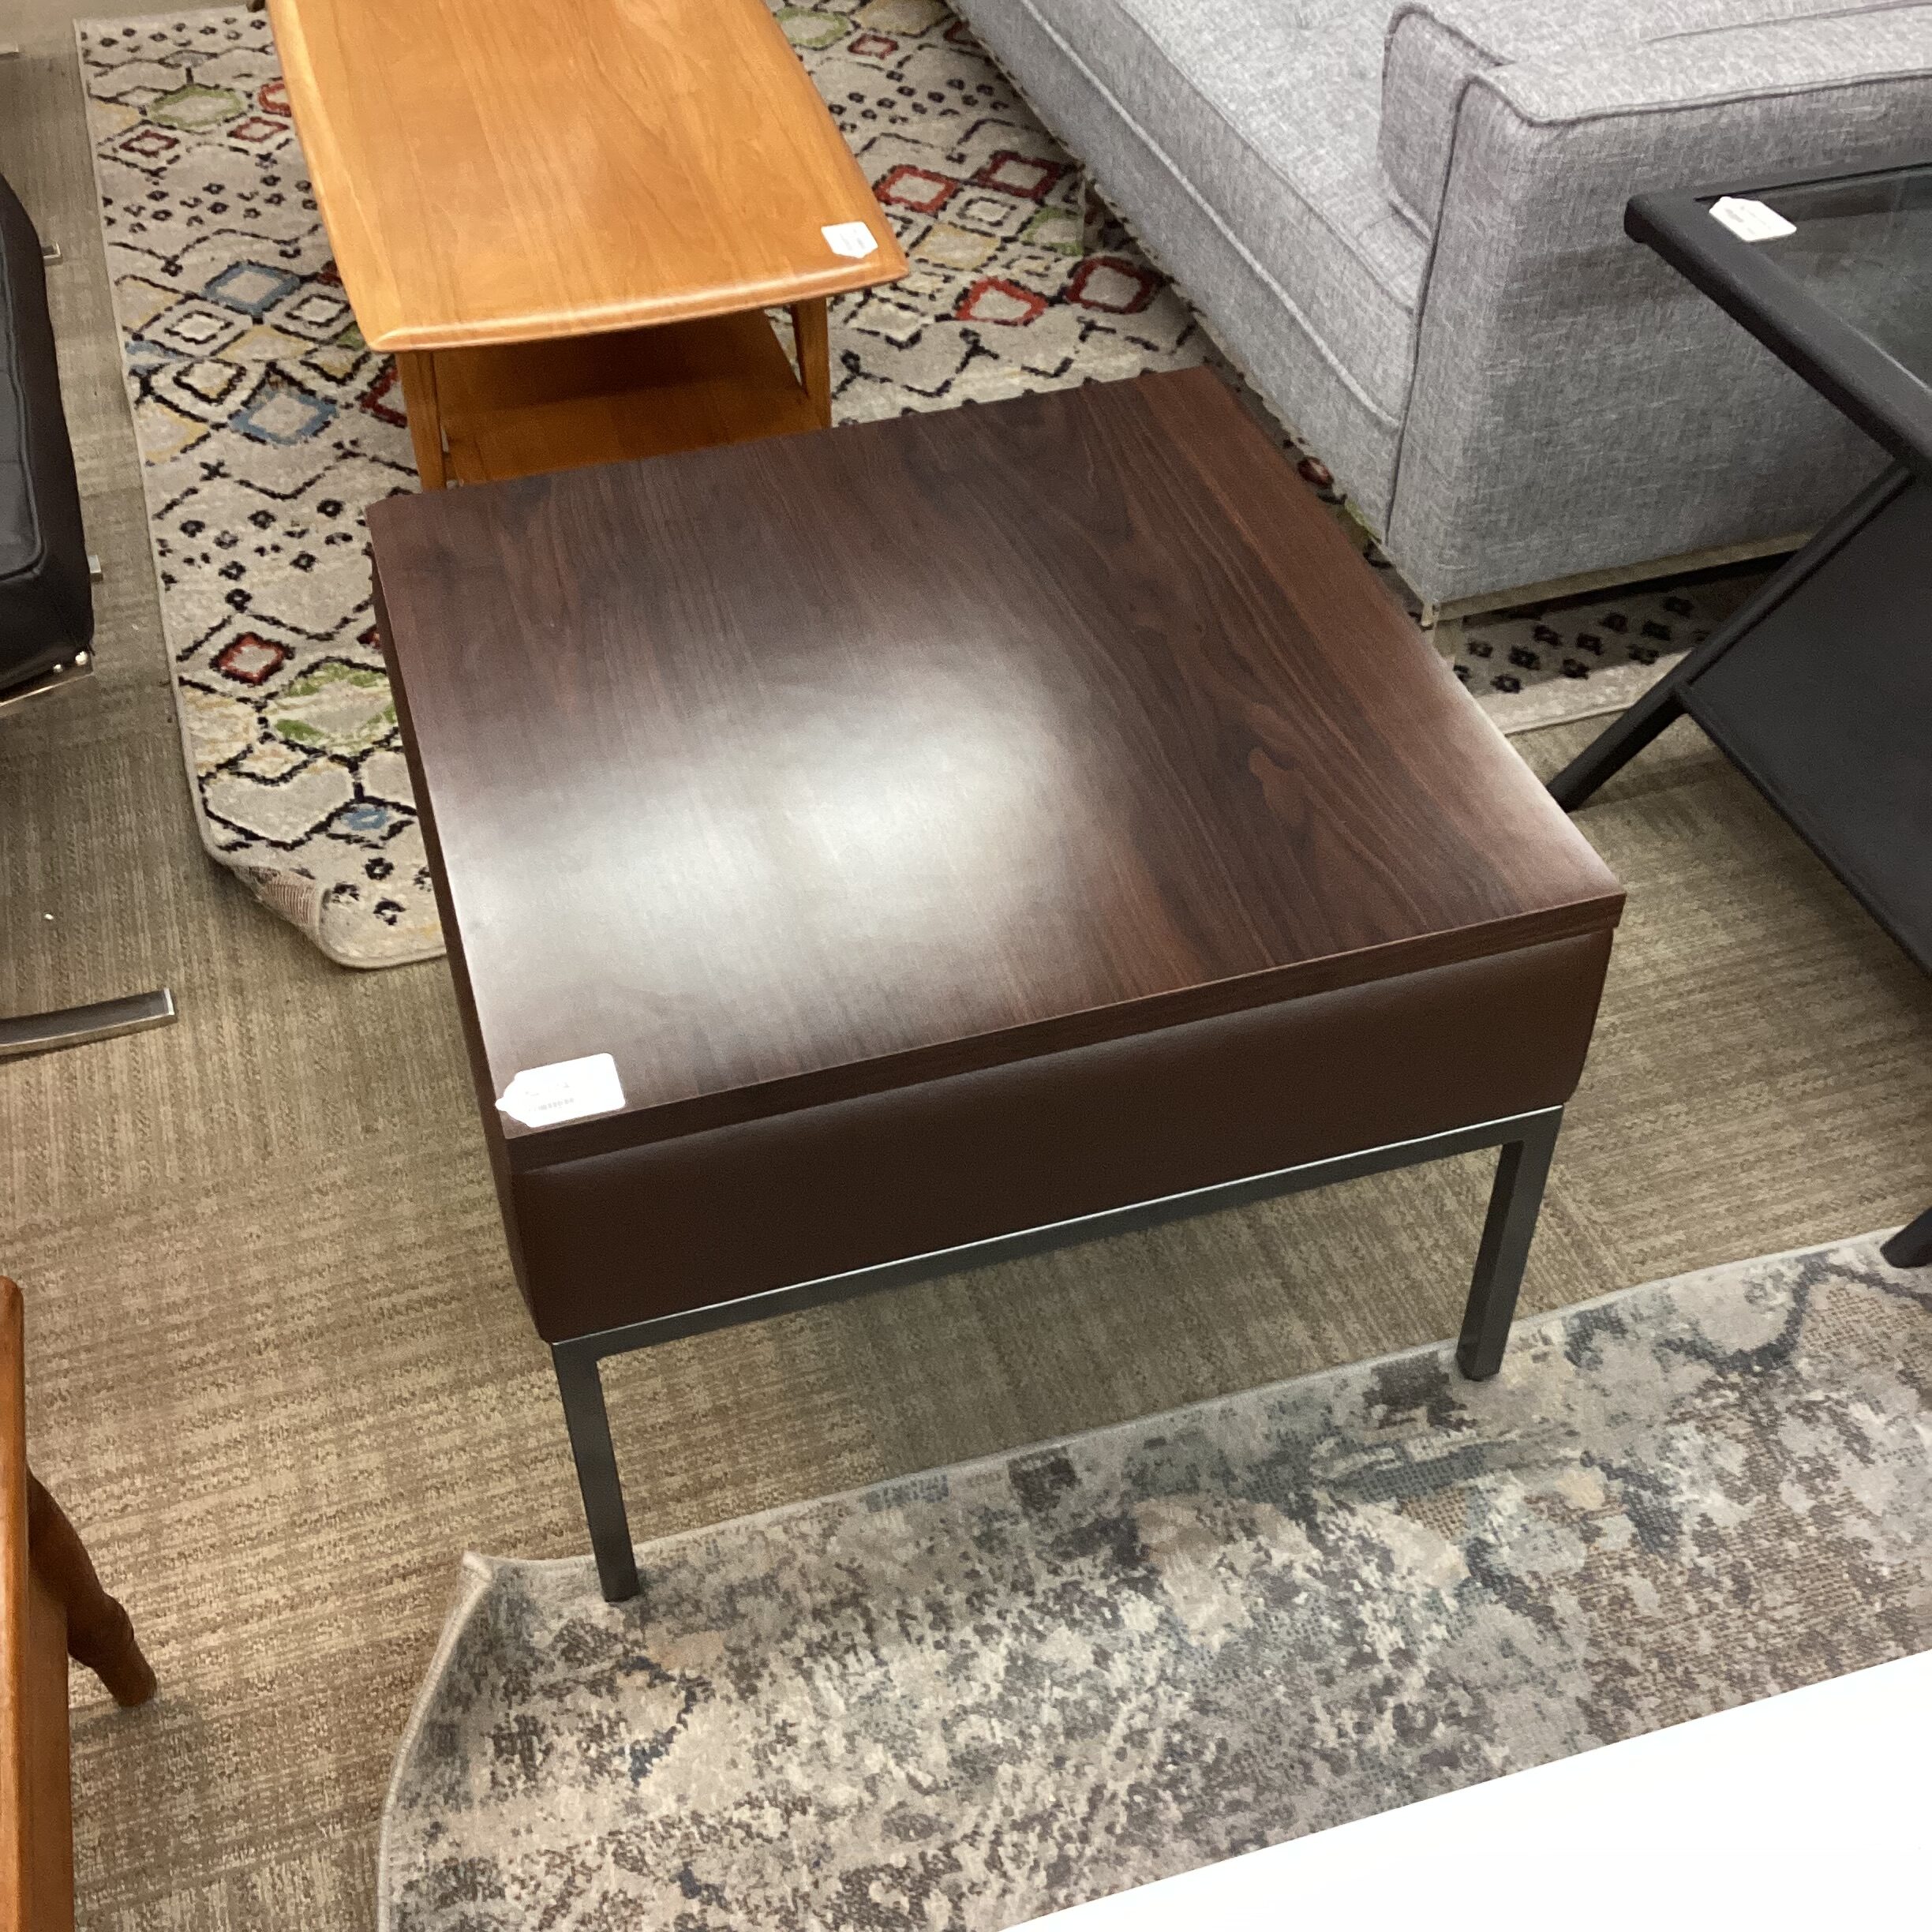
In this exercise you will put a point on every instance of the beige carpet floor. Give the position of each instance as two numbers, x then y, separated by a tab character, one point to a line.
278	1368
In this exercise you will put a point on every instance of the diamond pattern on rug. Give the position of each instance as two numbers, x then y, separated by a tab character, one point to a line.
266	427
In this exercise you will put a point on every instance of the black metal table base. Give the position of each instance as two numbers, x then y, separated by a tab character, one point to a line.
1852	600
1606	755
1527	1141
1911	1246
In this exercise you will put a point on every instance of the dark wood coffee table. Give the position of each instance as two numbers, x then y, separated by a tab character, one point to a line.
961	832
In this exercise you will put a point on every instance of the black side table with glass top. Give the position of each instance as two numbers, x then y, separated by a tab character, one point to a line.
1820	689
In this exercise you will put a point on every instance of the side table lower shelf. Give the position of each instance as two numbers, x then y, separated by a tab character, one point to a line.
1820	691
519	408
1825	705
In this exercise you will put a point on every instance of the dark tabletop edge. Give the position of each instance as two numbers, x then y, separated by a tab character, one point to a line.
529	1148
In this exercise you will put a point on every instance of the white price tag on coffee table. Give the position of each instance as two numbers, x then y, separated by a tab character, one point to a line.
1751	221
853	238
566	1090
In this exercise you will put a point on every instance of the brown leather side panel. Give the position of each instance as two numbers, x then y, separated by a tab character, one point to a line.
619	1237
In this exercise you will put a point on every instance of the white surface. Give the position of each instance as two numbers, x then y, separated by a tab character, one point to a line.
566	1090
1813	1810
1751	221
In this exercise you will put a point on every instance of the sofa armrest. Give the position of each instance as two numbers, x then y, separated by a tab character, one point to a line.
1714	66
1641	422
1432	50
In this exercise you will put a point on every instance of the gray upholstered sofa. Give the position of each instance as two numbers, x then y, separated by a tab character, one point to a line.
1404	221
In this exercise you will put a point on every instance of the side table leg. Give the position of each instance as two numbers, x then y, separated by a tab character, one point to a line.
416	370
1604	757
580	1382
1607	754
1911	1246
811	336
1515	1202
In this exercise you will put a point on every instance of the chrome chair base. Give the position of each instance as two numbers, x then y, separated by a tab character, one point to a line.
79	666
79	1026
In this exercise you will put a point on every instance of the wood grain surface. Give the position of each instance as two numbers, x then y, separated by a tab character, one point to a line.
814	767
492	171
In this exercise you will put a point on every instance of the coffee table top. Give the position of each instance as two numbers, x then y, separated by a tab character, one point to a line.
503	171
818	766
1832	272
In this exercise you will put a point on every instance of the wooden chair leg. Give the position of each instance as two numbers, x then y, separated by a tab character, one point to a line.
99	1633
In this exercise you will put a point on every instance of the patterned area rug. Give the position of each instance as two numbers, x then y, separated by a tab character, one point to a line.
266	427
966	1698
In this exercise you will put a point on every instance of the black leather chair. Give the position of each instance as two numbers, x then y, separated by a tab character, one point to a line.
47	599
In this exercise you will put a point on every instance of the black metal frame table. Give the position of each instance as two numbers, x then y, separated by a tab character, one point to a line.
1819	690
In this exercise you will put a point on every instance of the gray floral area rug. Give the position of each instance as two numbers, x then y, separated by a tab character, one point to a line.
266	426
969	1698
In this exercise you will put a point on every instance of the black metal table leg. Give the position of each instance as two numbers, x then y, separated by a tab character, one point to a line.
1515	1202
1527	1141
580	1382
1911	1246
1607	754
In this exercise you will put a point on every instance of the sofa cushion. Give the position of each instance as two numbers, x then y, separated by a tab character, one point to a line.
1253	179
1435	48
